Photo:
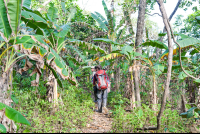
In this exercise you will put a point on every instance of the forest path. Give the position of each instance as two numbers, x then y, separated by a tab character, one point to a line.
99	123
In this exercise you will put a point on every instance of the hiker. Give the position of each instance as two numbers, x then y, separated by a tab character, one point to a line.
94	87
100	80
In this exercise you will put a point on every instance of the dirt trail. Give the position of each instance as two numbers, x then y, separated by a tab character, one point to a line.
99	123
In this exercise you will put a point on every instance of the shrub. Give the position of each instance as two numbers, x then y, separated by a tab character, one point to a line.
45	118
128	122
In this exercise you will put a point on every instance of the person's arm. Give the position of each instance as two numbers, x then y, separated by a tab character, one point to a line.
94	79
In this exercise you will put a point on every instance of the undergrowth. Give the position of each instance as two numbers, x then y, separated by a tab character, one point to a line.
70	114
129	121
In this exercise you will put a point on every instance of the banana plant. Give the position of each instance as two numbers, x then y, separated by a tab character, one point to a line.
108	25
185	42
10	12
41	46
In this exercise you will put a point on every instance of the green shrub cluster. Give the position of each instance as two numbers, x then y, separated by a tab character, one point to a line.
69	115
129	122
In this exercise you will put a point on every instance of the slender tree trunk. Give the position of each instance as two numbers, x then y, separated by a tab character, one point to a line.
198	99
158	51
139	35
170	55
170	47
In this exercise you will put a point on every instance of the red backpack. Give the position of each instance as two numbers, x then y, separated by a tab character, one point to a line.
102	83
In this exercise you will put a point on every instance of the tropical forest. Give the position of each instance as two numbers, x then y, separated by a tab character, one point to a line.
52	53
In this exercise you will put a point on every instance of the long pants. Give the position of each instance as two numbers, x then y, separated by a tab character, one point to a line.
95	92
101	95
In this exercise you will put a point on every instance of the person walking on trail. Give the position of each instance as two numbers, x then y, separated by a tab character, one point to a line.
94	87
100	80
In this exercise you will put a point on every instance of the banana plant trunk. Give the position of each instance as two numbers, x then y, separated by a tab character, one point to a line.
130	89
51	93
6	99
154	95
117	77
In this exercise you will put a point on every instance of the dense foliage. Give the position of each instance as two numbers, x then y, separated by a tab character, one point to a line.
47	49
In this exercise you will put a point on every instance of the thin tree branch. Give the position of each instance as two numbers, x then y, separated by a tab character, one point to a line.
154	14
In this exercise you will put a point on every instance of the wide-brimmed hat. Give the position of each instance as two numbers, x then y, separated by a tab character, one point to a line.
92	67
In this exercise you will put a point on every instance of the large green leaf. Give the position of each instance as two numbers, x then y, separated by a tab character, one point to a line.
34	25
110	56
52	13
102	18
101	23
14	115
126	49
55	74
71	14
2	129
27	3
43	49
155	43
158	69
32	15
122	21
4	23
188	41
198	19
14	12
91	48
60	67
106	41
63	5
108	15
182	75
34	11
25	39
190	112
64	29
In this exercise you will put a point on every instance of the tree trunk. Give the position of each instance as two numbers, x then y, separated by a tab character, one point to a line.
139	35
158	51
198	99
191	88
170	55
170	47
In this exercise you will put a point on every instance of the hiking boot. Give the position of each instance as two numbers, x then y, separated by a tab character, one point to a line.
105	110
98	111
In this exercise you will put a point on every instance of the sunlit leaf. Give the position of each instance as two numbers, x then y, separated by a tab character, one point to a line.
14	115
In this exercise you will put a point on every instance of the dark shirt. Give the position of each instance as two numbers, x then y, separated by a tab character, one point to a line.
95	79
